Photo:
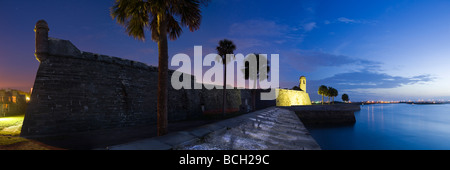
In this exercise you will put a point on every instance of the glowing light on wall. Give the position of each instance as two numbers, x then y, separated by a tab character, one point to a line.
292	98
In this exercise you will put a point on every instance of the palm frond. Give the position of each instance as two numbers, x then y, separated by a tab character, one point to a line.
154	28
225	47
137	15
133	15
173	28
188	11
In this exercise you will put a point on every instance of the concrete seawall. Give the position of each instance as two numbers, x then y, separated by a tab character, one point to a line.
326	114
274	128
268	129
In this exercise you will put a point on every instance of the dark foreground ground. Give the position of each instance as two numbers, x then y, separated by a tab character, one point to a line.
10	139
100	139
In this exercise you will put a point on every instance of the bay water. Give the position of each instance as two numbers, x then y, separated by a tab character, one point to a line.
390	127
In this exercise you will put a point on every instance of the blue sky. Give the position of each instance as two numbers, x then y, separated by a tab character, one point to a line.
371	50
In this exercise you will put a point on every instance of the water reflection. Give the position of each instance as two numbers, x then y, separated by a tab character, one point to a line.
390	126
375	115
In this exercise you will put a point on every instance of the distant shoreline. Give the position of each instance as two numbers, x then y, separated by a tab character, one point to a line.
421	103
426	102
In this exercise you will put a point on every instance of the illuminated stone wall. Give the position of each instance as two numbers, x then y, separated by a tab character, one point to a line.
292	97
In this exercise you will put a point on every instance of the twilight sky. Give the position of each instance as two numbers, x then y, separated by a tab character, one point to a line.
371	50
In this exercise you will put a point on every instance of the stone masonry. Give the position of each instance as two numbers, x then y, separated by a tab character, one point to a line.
76	91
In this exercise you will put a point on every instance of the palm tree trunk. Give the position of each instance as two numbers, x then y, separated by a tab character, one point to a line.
322	99
163	65
254	95
224	85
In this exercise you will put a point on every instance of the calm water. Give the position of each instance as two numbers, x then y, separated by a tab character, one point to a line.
390	127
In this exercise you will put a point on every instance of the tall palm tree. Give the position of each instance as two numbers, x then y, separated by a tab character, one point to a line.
259	66
163	18
333	93
323	90
328	94
225	47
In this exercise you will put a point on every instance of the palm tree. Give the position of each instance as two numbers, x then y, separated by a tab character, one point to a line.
163	18
260	77
225	47
333	93
345	97
323	90
328	94
336	93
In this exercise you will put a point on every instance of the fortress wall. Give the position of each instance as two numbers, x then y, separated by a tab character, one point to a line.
77	91
337	114
80	91
292	98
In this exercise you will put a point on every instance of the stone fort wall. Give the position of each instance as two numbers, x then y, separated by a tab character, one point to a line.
77	91
292	98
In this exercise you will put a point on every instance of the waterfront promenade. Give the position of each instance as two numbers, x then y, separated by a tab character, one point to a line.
268	129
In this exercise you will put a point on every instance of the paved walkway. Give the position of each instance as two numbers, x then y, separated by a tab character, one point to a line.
268	129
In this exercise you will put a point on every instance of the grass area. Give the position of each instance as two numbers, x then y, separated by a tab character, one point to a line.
9	140
11	126
10	130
